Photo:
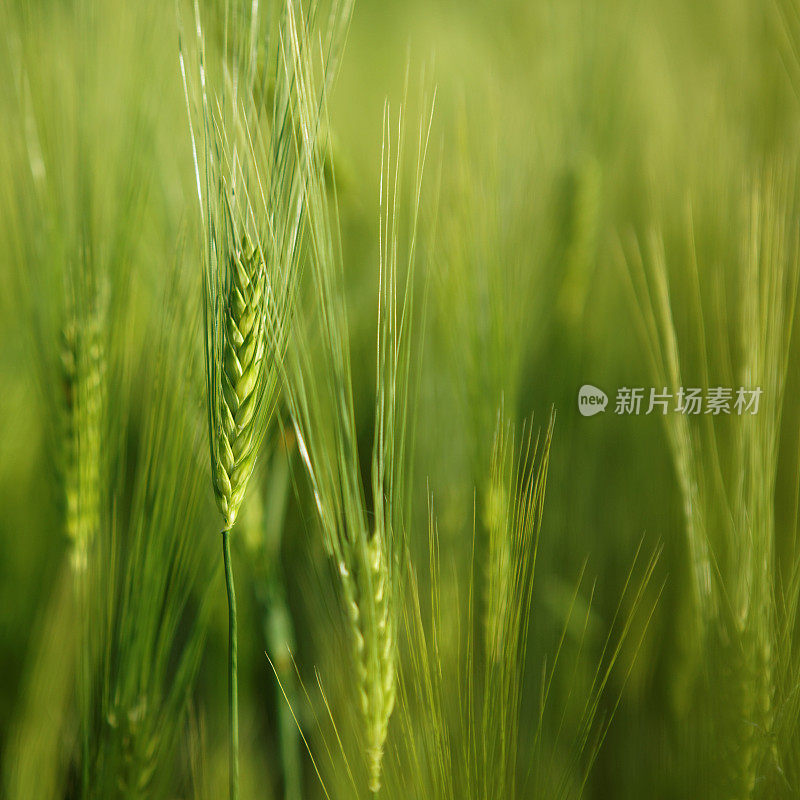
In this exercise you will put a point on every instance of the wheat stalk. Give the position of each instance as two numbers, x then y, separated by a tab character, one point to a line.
321	403
238	370
250	170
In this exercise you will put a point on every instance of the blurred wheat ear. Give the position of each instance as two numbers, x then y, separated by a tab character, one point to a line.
148	588
73	208
743	608
470	742
83	411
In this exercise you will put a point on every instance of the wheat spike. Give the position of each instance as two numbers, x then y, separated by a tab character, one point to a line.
241	374
138	748
252	222
83	368
367	557
367	596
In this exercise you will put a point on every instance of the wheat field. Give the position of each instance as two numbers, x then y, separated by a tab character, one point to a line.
399	400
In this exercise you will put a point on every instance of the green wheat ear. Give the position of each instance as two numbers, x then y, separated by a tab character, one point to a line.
241	376
250	190
367	595
82	367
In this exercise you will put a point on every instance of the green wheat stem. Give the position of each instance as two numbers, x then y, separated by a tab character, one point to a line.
233	683
279	636
84	697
